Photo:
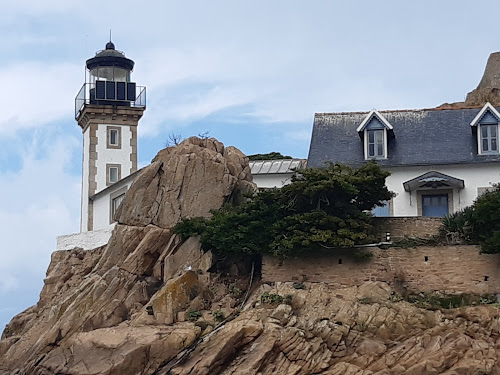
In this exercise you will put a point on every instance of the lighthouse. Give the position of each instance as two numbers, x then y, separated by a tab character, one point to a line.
108	108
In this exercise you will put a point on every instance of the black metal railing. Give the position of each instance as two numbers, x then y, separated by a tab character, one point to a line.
110	93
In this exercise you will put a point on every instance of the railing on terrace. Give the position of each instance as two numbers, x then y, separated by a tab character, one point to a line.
125	94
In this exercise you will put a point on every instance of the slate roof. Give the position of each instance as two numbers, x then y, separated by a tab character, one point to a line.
421	137
277	166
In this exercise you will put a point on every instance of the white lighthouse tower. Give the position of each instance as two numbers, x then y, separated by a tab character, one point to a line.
108	109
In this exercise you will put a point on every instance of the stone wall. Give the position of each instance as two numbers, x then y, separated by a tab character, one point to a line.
400	227
450	269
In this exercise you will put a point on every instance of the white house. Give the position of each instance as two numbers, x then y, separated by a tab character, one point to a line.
440	159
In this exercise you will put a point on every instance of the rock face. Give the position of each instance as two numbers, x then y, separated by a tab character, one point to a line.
488	89
186	181
96	310
147	303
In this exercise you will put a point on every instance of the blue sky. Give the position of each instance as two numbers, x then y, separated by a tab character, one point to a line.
251	73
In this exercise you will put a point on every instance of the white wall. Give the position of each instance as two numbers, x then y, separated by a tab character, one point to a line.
112	156
102	205
272	180
85	182
85	240
474	176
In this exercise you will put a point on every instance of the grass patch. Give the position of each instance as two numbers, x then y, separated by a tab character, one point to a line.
438	301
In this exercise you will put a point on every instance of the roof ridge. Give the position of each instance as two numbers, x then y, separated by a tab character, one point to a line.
396	110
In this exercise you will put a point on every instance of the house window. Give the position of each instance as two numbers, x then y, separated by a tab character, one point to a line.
375	144
375	128
113	173
115	203
113	137
115	200
489	136
382	211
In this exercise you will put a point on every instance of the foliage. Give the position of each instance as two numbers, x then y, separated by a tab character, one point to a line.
288	299
395	297
267	297
365	300
326	207
194	315
409	242
361	256
234	290
299	286
438	301
486	221
479	223
218	315
268	156
459	225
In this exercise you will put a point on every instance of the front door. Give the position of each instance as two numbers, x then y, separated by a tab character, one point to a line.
435	205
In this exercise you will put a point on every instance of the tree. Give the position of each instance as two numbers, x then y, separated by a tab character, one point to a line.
327	207
486	221
173	140
268	156
478	223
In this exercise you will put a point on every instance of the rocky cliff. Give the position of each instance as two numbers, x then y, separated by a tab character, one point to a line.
488	89
148	303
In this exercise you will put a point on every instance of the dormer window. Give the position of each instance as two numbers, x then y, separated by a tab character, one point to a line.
373	130
489	143
376	144
486	122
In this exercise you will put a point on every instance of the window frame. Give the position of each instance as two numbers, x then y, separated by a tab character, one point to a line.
118	144
488	138
112	198
108	173
367	144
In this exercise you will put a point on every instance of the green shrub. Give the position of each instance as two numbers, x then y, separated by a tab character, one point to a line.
299	285
438	301
268	156
218	315
479	223
365	300
234	290
486	218
272	298
194	315
360	256
459	225
395	297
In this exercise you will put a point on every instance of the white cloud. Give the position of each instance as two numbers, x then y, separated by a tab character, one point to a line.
39	202
35	94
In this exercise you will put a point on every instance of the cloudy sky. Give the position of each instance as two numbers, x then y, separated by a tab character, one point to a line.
251	73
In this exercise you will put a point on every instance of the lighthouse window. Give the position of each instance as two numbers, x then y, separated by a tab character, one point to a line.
113	173
114	137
